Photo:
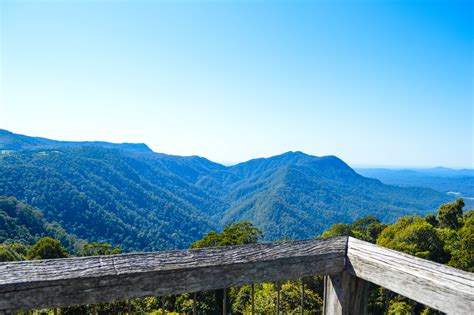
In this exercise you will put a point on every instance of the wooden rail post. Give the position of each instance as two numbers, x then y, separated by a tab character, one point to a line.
224	301
345	294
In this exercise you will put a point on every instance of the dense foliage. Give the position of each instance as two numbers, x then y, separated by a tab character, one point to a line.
233	234
128	195
447	238
106	196
96	249
20	222
46	248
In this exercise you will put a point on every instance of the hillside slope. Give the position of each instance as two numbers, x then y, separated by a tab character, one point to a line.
296	195
20	222
110	196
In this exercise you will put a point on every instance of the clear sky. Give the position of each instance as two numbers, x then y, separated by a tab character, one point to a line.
373	82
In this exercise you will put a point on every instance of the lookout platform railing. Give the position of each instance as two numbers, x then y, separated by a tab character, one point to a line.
349	265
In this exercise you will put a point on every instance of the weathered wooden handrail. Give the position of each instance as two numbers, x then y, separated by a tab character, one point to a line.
441	287
348	262
61	282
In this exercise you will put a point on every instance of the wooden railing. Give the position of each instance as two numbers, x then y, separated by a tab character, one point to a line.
348	263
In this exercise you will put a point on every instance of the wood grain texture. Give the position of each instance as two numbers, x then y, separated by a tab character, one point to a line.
345	294
86	280
441	287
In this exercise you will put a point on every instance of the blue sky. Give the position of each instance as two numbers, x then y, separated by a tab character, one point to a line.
373	82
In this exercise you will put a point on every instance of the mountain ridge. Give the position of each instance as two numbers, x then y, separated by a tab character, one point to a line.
149	201
14	141
441	179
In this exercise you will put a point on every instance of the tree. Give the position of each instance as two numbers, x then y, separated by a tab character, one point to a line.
413	235
367	229
12	252
362	224
46	248
450	215
338	229
233	234
431	219
96	249
373	231
430	311
462	247
399	308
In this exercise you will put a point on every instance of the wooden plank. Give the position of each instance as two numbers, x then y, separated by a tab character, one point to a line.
441	287
88	280
345	294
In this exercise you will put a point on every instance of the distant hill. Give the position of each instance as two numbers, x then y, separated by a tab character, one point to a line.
149	201
445	172
439	178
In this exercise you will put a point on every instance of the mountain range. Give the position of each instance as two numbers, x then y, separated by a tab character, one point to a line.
460	182
127	194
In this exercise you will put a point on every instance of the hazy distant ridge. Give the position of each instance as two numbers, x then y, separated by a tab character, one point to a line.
438	178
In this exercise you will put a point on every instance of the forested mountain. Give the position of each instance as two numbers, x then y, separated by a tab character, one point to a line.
296	195
127	195
109	196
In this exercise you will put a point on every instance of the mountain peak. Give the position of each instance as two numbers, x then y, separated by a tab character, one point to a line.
294	153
